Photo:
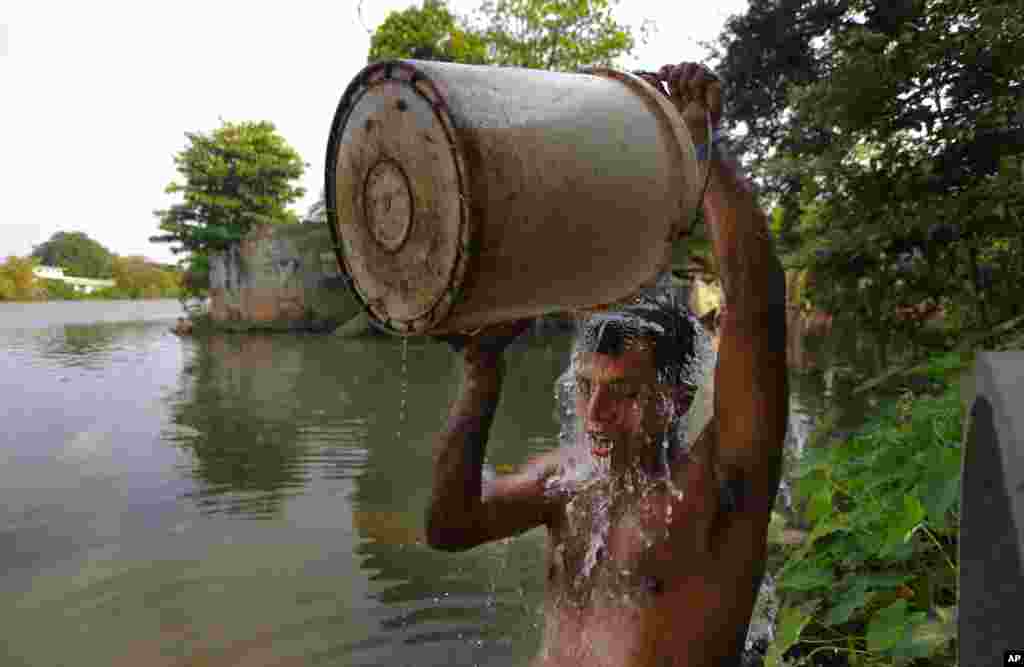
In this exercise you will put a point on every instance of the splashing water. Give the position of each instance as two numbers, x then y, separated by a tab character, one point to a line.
598	537
644	318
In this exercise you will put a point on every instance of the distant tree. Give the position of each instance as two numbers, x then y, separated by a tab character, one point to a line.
138	278
238	176
430	32
540	34
17	281
554	35
77	254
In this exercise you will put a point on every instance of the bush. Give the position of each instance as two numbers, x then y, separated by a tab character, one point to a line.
876	578
58	290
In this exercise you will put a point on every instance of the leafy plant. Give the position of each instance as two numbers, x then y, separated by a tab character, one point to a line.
875	578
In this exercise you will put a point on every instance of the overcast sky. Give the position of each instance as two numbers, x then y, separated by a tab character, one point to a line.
95	97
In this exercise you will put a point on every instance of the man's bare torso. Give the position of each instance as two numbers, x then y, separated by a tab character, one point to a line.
634	578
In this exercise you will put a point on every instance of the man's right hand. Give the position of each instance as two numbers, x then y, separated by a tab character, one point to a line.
485	346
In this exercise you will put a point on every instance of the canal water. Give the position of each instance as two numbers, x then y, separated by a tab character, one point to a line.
257	500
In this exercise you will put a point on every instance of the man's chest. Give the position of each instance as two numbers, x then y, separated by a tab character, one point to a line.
640	550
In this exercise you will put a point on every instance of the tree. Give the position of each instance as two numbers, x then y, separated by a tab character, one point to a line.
540	34
238	176
77	254
137	277
430	32
891	139
17	280
554	34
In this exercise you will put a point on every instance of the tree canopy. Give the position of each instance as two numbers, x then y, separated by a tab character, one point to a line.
427	32
136	277
541	34
554	35
890	137
238	176
77	254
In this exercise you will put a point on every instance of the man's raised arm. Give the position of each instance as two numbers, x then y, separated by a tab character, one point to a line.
751	389
464	511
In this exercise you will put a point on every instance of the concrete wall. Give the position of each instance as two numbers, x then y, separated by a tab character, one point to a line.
280	278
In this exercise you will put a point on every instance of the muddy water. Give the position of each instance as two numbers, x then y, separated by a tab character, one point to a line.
258	500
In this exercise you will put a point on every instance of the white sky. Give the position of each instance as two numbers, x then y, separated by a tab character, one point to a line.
95	97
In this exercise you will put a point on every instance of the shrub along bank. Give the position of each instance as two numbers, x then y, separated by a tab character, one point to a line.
875	580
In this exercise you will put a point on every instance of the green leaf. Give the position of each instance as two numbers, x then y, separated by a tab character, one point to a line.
806	577
884	581
811	483
825	527
887	626
847	603
941	487
901	525
925	637
820	504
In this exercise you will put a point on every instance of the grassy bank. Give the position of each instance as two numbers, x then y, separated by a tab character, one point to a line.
57	290
874	582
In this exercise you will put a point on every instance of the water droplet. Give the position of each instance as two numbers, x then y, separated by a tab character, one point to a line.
404	391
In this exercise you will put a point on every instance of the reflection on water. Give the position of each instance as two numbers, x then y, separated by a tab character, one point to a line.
247	499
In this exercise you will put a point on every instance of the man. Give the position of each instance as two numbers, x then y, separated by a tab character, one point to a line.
655	554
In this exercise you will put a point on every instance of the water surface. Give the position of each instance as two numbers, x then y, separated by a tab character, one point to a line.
257	499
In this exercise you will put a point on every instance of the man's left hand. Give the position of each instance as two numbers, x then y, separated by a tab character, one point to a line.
694	90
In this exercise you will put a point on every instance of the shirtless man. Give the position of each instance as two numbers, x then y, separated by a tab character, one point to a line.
655	554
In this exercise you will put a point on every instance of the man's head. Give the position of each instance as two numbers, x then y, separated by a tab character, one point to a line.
636	372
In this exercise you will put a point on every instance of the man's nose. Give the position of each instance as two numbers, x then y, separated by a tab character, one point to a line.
600	408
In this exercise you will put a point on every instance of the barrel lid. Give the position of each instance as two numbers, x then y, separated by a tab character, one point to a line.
395	197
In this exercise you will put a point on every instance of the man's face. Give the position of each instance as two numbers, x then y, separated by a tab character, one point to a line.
623	409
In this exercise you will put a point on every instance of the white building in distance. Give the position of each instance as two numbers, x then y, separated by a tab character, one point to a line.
84	285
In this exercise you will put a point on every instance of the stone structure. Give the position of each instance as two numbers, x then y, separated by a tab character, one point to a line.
280	278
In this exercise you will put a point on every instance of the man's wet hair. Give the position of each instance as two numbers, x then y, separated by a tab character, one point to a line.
674	333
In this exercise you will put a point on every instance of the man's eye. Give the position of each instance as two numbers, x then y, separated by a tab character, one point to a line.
583	386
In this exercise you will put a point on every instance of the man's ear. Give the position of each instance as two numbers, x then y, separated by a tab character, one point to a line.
709	320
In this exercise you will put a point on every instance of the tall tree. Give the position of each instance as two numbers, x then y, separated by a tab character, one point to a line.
892	136
542	34
429	32
240	175
560	35
77	254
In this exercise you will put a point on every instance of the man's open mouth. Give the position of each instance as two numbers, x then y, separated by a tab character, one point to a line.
600	446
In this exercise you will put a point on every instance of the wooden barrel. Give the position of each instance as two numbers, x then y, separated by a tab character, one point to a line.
460	196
